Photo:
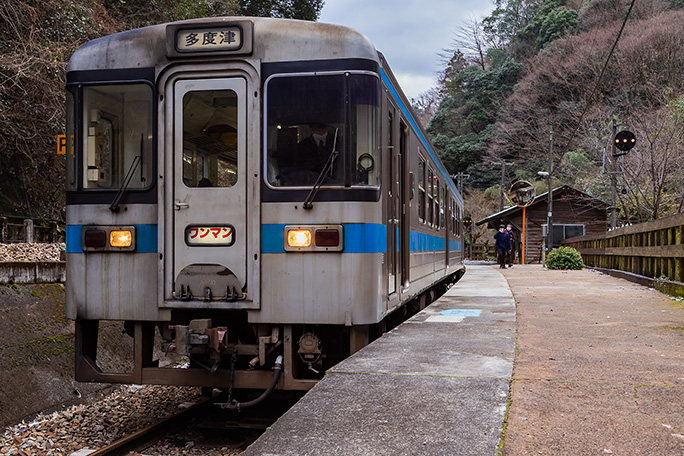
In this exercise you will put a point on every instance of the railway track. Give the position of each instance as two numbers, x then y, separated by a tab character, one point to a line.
145	437
209	427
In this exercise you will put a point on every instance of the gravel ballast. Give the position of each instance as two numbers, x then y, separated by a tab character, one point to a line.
31	252
127	409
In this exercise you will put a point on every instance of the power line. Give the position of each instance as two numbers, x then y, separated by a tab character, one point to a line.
603	70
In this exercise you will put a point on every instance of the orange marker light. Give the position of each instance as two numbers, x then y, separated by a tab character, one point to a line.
122	238
299	238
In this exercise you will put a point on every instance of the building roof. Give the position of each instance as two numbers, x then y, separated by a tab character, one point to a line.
495	219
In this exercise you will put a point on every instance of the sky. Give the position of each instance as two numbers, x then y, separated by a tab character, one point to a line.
410	33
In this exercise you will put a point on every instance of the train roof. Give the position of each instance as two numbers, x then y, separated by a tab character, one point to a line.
288	40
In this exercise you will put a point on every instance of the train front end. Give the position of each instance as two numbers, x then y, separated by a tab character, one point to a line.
223	201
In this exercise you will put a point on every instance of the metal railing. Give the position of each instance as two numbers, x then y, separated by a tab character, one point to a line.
652	249
17	229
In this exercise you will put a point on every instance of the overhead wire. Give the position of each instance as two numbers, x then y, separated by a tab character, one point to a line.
603	70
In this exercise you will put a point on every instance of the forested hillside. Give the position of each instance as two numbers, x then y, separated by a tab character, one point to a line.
536	66
530	67
39	36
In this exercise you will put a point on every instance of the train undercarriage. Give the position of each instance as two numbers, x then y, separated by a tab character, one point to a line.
222	350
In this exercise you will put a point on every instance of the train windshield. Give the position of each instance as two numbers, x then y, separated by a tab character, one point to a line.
117	136
310	116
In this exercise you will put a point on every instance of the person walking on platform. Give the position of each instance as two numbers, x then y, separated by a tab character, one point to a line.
503	245
511	251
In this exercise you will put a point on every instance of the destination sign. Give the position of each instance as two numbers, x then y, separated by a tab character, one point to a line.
209	39
218	38
209	235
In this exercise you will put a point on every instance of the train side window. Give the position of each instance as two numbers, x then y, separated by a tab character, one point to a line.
457	220
450	219
117	137
438	207
430	197
365	129
459	223
421	189
442	207
210	144
435	199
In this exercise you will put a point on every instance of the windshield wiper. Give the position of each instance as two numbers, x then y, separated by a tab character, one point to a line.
308	202
127	180
137	160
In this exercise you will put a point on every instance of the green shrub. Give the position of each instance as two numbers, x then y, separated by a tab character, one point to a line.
564	258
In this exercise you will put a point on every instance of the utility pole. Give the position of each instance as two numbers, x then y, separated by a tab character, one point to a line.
503	165
459	181
549	213
613	181
549	216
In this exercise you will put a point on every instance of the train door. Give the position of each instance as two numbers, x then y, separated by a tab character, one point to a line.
393	214
445	207
209	194
404	196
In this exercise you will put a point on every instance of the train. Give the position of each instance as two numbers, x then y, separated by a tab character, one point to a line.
253	195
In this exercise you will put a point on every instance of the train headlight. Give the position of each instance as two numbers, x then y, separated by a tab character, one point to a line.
314	238
299	238
121	238
108	239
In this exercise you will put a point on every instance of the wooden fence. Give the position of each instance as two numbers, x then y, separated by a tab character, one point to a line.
16	229
653	249
482	252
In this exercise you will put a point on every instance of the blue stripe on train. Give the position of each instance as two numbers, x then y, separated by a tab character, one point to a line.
146	239
359	238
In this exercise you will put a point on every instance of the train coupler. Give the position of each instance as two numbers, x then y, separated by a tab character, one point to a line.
198	337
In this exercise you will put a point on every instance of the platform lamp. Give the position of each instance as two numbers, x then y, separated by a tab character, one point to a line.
549	214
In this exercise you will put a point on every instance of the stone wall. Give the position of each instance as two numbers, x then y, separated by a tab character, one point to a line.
37	351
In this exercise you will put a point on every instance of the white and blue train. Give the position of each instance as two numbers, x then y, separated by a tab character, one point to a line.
247	192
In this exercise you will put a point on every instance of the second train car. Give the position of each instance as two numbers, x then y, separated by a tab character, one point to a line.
247	192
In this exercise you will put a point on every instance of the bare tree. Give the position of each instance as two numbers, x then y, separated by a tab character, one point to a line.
557	92
653	178
426	104
471	40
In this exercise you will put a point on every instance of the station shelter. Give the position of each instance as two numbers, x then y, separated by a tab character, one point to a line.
574	213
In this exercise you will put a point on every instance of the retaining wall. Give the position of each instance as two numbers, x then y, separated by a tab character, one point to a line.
37	343
39	272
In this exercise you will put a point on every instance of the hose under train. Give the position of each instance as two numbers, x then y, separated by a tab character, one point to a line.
235	405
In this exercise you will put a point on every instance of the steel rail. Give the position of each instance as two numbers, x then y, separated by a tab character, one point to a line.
147	434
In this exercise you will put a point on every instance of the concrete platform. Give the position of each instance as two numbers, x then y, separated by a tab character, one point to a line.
436	385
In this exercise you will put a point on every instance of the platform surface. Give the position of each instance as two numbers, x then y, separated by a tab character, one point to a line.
436	385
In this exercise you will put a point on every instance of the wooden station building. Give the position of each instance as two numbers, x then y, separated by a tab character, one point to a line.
574	214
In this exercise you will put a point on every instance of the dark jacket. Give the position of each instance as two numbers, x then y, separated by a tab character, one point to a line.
511	235
503	240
